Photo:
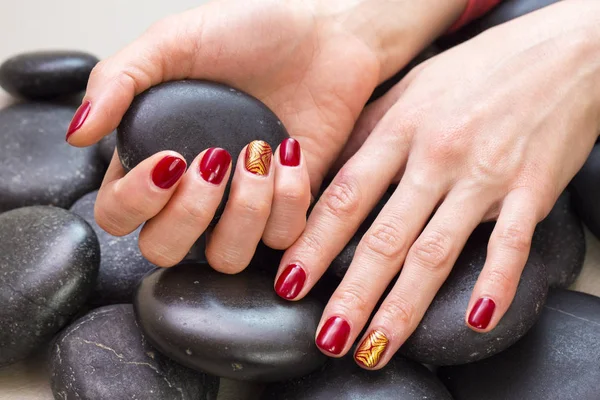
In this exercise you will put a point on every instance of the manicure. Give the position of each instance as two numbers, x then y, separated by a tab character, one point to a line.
258	157
371	349
290	282
289	152
168	171
333	335
214	165
482	312
79	118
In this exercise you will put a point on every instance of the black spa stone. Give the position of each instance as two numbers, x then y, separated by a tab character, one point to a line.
37	166
106	147
560	241
342	379
233	326
46	74
104	355
48	264
585	188
191	116
443	338
558	359
122	265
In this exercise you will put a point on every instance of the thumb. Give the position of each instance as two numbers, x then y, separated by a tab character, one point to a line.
167	51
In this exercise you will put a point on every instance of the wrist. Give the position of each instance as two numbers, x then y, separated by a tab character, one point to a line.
396	31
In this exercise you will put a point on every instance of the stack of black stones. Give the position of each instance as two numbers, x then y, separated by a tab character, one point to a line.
120	328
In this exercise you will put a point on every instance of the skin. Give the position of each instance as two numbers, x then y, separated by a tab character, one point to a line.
461	134
313	63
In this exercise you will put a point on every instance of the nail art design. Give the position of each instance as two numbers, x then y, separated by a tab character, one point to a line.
370	350
258	157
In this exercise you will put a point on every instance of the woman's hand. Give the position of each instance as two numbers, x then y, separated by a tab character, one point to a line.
492	129
314	63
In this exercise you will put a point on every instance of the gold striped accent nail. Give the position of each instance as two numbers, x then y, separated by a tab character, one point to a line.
370	350
258	157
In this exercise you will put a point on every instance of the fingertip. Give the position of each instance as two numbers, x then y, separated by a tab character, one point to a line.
481	315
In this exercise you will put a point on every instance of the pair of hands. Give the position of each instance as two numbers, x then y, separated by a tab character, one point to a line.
492	129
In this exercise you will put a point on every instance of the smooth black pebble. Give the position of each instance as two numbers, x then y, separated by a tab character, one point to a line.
106	147
49	259
104	355
46	74
37	166
443	338
558	359
191	116
122	265
560	241
342	379
233	326
506	11
585	188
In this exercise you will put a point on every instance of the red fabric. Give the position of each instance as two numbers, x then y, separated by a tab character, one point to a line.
473	10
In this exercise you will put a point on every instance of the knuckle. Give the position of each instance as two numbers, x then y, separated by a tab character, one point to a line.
342	197
385	240
292	194
109	223
352	297
501	281
310	244
398	311
432	251
194	212
251	207
515	237
157	253
132	208
225	260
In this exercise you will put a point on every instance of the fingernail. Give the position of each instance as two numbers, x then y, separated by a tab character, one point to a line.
290	282
258	157
168	171
289	152
370	350
79	118
214	165
482	312
333	335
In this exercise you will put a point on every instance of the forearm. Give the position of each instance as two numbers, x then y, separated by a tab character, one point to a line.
396	30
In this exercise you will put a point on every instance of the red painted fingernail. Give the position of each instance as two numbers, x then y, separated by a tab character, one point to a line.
482	312
79	118
290	282
214	165
168	171
333	335
289	152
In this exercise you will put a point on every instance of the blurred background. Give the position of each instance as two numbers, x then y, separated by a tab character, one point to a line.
99	27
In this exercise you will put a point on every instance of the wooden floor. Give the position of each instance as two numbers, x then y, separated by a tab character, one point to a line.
28	380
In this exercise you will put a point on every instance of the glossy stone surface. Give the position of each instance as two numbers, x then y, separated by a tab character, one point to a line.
443	338
48	264
342	379
560	241
106	147
585	188
233	326
37	166
122	265
104	355
46	74
192	116
558	359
